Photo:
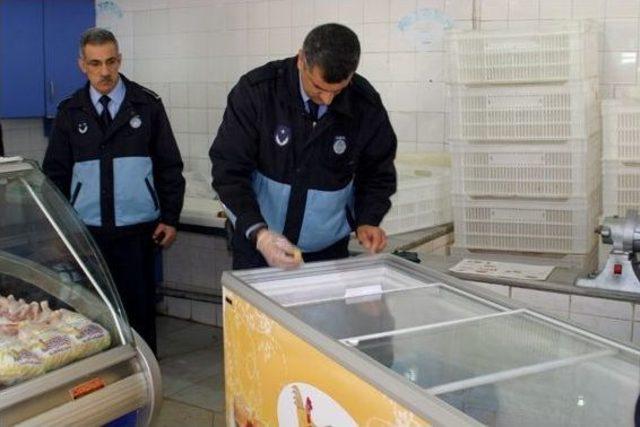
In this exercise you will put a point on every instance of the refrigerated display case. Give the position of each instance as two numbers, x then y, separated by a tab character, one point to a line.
380	341
67	353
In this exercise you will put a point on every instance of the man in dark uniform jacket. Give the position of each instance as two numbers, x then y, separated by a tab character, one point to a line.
304	156
112	153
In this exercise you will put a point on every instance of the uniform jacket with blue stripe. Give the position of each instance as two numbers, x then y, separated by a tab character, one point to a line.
128	175
313	183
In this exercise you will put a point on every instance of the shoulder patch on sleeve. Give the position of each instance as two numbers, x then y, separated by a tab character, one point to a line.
363	87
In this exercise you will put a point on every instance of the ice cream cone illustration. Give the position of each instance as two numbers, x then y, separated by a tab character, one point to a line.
303	410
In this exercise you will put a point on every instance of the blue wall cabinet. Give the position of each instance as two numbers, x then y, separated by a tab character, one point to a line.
21	58
64	21
38	54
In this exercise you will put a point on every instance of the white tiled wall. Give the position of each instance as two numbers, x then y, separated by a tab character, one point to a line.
539	299
209	313
24	137
195	262
615	319
193	51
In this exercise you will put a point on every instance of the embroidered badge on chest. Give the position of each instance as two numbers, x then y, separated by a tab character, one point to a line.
282	135
135	122
339	145
83	127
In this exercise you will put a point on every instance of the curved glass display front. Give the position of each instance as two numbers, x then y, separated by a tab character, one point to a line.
58	303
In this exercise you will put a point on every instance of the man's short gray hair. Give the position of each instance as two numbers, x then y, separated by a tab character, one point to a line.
97	36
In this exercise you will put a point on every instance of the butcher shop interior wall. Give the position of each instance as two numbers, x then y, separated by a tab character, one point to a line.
192	51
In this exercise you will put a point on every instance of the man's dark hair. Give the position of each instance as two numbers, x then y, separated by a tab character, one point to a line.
335	49
96	36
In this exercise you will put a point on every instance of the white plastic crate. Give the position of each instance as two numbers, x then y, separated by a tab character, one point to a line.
524	112
558	53
527	226
621	130
423	200
556	170
621	185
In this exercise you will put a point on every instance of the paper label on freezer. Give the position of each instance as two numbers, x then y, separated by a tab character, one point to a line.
363	291
502	269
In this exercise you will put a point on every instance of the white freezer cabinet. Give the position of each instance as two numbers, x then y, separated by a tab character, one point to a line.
411	346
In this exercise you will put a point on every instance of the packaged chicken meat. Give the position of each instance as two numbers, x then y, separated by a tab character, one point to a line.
53	346
43	339
17	363
87	337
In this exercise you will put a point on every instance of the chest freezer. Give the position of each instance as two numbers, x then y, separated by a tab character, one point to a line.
379	341
67	353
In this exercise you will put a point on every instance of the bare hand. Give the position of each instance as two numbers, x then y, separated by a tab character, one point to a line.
164	235
373	239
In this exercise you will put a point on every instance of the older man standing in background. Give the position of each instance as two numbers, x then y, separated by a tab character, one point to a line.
113	154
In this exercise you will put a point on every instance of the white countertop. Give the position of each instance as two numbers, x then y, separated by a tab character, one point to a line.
202	212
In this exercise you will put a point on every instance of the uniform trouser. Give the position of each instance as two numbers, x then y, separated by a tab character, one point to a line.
246	256
130	259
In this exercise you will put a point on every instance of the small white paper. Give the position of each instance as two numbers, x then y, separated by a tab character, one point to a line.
363	291
10	159
502	269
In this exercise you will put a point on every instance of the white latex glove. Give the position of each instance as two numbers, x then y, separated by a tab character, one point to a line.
277	250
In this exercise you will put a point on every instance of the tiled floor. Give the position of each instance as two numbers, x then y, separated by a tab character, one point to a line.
191	361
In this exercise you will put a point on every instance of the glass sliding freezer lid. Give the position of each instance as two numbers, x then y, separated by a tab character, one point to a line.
597	392
393	309
459	354
501	365
299	288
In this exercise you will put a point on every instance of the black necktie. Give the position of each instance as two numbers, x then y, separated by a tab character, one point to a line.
105	116
313	110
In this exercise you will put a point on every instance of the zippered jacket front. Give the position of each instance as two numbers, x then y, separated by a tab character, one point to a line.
314	182
126	175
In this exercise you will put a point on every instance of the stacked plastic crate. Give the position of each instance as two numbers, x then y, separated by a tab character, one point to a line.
422	199
621	156
524	133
